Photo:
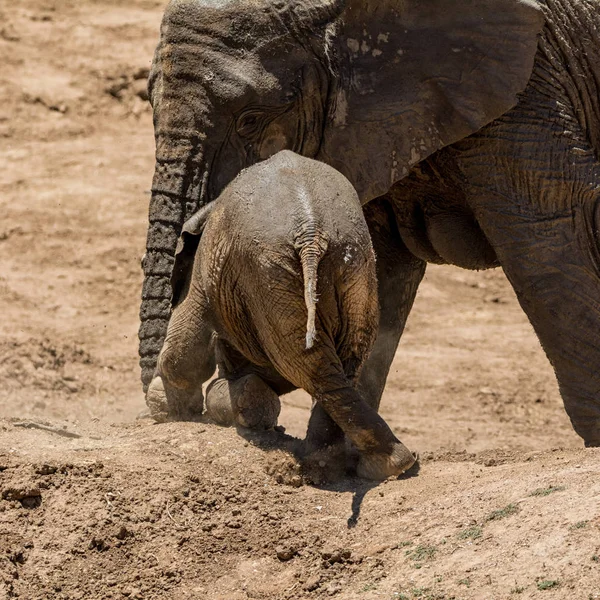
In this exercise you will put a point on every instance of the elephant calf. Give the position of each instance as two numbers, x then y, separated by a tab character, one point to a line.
253	293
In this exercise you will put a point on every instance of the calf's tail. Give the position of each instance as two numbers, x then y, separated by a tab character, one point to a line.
311	252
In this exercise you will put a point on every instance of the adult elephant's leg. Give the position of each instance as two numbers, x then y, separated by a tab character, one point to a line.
550	266
535	187
399	274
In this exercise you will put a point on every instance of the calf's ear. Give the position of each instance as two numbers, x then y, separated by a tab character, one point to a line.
417	75
187	244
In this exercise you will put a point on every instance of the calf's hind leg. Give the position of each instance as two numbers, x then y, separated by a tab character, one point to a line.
381	454
398	276
320	372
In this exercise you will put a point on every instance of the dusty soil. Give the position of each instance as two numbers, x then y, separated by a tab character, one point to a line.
95	505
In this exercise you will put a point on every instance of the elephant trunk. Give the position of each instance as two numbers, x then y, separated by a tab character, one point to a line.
177	192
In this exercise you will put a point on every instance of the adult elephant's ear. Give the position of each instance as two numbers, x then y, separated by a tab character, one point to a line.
187	244
418	75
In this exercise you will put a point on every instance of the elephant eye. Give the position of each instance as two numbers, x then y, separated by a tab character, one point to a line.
248	123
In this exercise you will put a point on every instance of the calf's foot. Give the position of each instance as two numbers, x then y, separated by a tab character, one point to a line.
166	403
322	431
247	401
381	465
156	400
382	455
218	402
255	404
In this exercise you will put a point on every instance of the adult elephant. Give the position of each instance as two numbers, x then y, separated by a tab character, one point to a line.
473	123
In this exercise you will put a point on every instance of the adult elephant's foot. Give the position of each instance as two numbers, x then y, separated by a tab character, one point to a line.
166	403
588	429
381	465
247	401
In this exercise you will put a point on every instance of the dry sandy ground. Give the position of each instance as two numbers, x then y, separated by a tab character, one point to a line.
96	505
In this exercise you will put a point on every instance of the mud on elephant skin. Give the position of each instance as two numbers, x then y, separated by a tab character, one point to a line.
356	84
477	122
284	283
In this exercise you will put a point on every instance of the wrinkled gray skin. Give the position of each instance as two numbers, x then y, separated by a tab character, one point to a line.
473	124
284	279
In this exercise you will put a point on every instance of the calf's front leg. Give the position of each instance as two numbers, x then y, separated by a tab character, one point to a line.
246	401
185	362
239	396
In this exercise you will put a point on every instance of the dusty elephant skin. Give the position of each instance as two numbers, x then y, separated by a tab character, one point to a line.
473	126
234	82
532	187
284	276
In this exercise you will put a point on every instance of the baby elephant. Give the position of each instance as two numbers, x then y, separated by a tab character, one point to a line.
284	285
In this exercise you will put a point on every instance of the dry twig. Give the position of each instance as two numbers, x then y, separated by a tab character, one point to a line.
56	430
178	525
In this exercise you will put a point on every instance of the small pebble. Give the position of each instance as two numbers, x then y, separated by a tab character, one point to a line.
334	588
285	553
312	584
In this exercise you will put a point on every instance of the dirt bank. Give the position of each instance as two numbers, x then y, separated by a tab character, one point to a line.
132	510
